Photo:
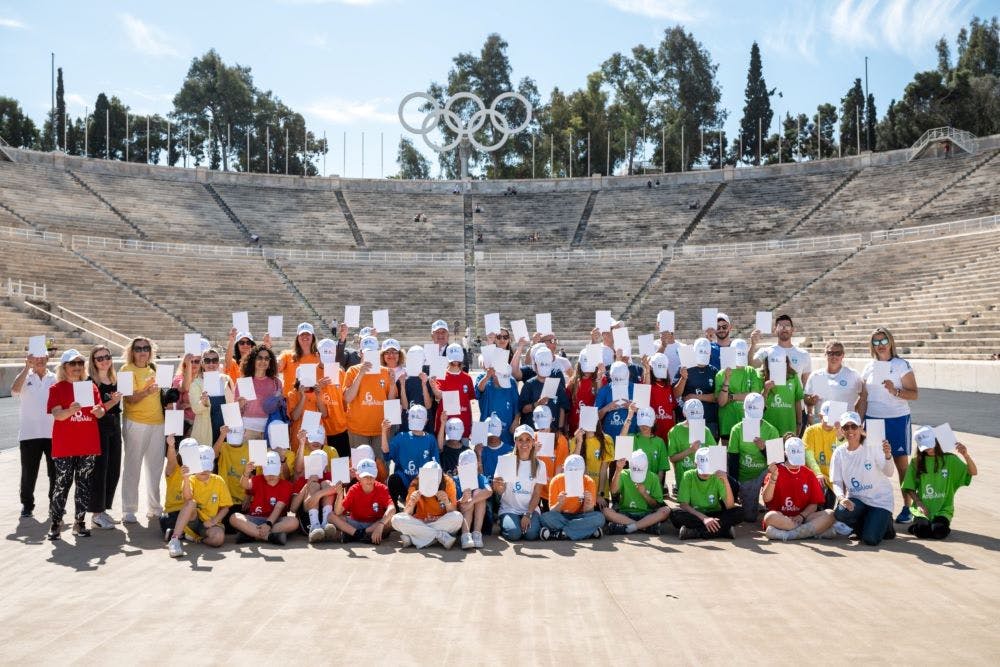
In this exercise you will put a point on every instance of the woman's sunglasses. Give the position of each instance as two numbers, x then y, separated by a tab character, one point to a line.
880	341
142	348
103	357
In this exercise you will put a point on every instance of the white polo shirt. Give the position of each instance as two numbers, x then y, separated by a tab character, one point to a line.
34	420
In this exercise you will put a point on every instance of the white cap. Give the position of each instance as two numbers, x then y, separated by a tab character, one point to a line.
366	331
724	317
272	464
574	462
305	327
542	417
326	344
415	348
416	417
235	436
702	351
317	453
369	343
69	355
432	465
205	345
850	417
391	344
742	349
494	427
607	355
523	429
467	456
240	335
207	456
454	429
619	372
925	438
638	466
587	365
455	353
694	409
701	461
645	417
660	366
317	434
795	451
439	324
753	406
187	442
366	468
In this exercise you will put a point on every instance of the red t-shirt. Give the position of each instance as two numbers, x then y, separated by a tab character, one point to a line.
78	435
585	395
794	491
367	507
462	383
661	399
265	496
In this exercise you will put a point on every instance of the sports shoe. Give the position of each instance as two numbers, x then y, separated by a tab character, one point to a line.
731	533
616	529
346	537
102	520
54	529
243	538
316	534
904	516
776	534
687	533
467	542
80	529
167	533
652	530
598	534
111	520
405	541
330	532
129	517
842	529
544	534
174	548
279	539
447	540
477	539
804	532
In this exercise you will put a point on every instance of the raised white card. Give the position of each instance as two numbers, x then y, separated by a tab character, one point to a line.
191	457
352	316
751	429
310	420
451	402
763	322
246	389
432	350
546	443
439	367
602	320
623	446
231	415
486	354
621	341
380	320
212	383
574	483
340	470
414	363
164	375
727	357
315	464
837	408
275	325
945	437
519	330
687	356
775	450
192	344
880	372
506	468
306	374
468	476
480	431
588	418
332	371
550	388
173	422
777	370
709	318
595	352
392	411
372	357
665	321
619	391
429	481
641	395
257	451
874	432
277	435
126	383
37	347
492	323
83	393
647	345
543	323
717	458
241	322
696	431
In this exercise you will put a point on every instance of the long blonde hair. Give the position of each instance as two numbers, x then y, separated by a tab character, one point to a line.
92	365
892	342
129	353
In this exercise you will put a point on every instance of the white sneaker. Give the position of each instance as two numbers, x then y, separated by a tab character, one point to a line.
406	541
129	517
175	549
477	539
330	532
829	534
773	533
102	520
842	529
467	542
446	540
316	534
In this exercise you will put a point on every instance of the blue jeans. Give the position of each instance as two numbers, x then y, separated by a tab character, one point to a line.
870	523
510	527
574	526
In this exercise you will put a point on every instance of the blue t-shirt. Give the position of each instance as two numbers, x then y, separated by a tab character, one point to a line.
701	381
489	458
409	452
532	391
614	419
483	484
504	402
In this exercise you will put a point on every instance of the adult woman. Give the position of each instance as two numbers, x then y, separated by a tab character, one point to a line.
142	431
76	442
931	482
31	387
364	394
258	363
860	477
890	385
520	497
836	382
206	404
239	346
108	465
304	351
793	497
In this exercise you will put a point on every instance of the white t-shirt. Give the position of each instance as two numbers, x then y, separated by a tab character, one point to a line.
864	474
801	361
844	385
882	404
34	420
517	496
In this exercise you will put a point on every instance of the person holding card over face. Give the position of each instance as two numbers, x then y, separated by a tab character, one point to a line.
303	351
640	504
76	440
890	385
408	451
520	497
614	398
31	387
313	484
532	389
820	440
451	445
573	513
784	329
346	356
661	393
698	383
330	392
143	440
174	473
707	507
861	474
582	388
473	500
931	481
364	393
455	379
266	518
495	446
783	401
598	452
430	513
107	466
441	337
835	382
732	386
794	498
259	372
647	441
232	452
747	462
496	399
682	444
364	512
206	505
414	387
502	340
301	399
542	417
210	389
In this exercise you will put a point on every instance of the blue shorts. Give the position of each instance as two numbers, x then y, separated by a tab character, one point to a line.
897	432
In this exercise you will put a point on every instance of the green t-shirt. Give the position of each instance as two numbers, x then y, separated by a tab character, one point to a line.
938	485
741	381
705	495
656	451
780	406
753	461
631	500
677	442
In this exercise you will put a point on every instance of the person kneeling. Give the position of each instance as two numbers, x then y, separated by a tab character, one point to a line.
430	512
206	503
267	519
572	517
792	494
364	511
640	506
932	480
707	505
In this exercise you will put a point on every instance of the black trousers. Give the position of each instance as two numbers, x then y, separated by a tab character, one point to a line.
727	518
31	458
937	528
397	490
107	466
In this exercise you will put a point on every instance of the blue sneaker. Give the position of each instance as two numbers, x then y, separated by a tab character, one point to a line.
904	516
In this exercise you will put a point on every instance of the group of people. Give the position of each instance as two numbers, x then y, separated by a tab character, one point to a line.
368	440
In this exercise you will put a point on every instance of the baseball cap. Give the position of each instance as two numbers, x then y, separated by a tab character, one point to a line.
363	452
723	317
272	464
366	468
702	462
187	442
316	435
638	466
454	429
494	426
795	451
391	344
850	417
327	344
694	409
523	429
753	406
235	436
618	372
304	327
369	343
416	417
69	355
467	457
574	462
587	365
645	417
702	351
455	353
660	366
439	324
240	335
542	416
365	331
925	438
435	466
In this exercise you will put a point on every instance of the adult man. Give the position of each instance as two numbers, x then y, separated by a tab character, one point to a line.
836	382
441	337
801	363
31	387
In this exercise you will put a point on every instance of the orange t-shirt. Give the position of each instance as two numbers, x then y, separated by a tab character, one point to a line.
561	451
430	508
310	404
365	412
336	411
233	371
573	505
291	366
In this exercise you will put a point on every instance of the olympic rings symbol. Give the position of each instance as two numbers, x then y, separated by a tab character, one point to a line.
465	129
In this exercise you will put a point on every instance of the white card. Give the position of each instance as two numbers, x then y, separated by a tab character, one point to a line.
547	444
519	330
727	357
357	455
595	352
647	345
506	468
392	411
429	482
212	382
380	320
451	402
480	431
837	408
880	372
751	429
83	393
778	370
277	434
602	320
574	483
775	450
332	371
619	391
874	432
588	418
164	375
173	422
275	325
372	357
665	321
696	431
709	318
622	341
763	323
306	374
641	394
257	451
340	470
191	457
439	367
241	322
492	323
687	356
468	476
37	347
543	323
414	363
310	420
486	353
352	316
432	350
192	344
623	447
126	383
231	415
246	388
315	466
550	388
717	458
945	437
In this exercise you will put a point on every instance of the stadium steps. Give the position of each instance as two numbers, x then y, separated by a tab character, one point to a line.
345	208
20	217
633	307
121	216
822	202
294	289
701	214
968	172
581	228
228	211
17	321
471	320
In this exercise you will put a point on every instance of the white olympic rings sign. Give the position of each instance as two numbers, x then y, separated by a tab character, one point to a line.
465	129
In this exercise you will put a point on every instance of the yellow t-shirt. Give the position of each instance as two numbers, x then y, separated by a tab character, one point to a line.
820	444
148	410
233	461
593	459
365	412
174	500
331	454
210	496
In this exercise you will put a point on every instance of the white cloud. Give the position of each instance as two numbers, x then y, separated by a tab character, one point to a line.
13	24
146	38
681	11
353	112
795	35
905	27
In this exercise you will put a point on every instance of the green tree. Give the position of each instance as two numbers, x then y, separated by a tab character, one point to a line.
60	110
412	164
868	140
852	110
16	128
636	84
982	54
757	111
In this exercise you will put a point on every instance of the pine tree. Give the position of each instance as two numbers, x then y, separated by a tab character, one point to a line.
852	108
60	111
757	113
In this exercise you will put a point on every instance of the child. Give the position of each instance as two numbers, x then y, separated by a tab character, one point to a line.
430	516
572	517
679	450
707	508
473	505
455	379
497	395
661	393
206	503
408	451
793	495
598	451
820	440
732	385
496	446
640	506
267	518
931	482
364	512
313	496
747	459
450	444
232	454
174	474
612	411
542	417
647	441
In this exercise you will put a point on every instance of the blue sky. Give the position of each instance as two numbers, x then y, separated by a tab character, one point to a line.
345	64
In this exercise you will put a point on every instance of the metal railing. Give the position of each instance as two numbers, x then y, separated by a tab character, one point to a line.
17	233
48	315
777	246
965	140
90	326
532	257
954	228
365	256
163	248
26	289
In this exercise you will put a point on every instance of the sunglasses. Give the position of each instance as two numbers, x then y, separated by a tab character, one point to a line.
503	336
75	362
849	427
103	357
880	341
142	348
195	362
210	360
245	342
835	354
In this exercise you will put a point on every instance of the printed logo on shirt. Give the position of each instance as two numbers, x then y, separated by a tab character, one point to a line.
370	399
805	489
790	505
465	389
778	402
843	383
748	462
858	486
822	457
376	507
944	473
273	501
215	498
616	419
930	493
711	499
80	417
661	413
411	469
868	465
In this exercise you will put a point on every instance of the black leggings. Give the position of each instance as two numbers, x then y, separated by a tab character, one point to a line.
937	528
727	518
107	466
397	490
